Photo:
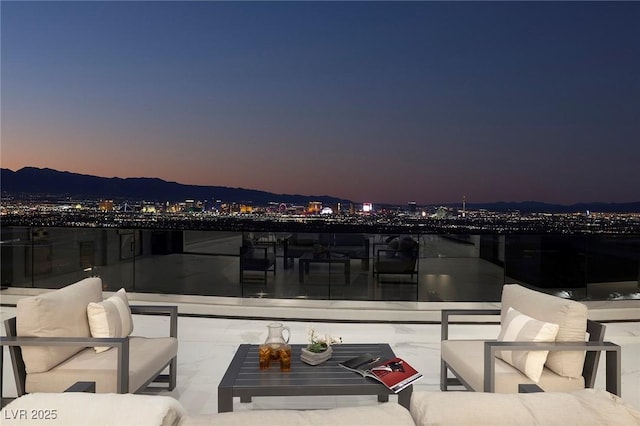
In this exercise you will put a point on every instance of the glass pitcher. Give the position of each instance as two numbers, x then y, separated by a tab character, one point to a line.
276	336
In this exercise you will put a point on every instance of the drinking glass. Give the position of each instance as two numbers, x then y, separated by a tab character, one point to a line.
285	357
264	353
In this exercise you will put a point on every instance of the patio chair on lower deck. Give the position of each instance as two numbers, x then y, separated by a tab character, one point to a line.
399	257
519	355
257	257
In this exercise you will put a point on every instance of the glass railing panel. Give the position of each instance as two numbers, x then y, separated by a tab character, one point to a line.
116	264
49	257
552	263
204	242
447	267
16	256
613	267
461	267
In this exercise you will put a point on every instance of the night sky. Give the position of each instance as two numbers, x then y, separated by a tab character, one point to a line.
386	102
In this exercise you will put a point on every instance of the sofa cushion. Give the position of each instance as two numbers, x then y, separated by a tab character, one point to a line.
147	356
83	409
58	313
466	357
110	318
386	414
518	327
585	407
571	317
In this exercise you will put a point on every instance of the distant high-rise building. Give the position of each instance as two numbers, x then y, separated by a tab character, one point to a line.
314	207
106	205
412	207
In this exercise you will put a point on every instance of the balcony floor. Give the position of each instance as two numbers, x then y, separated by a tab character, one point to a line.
206	346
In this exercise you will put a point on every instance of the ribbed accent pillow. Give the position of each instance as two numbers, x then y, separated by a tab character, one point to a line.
518	327
110	318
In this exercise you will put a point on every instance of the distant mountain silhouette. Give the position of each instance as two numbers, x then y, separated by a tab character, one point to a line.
48	182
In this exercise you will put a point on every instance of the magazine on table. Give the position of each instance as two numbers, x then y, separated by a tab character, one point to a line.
394	373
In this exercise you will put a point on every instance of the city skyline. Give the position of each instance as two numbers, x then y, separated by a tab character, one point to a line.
371	101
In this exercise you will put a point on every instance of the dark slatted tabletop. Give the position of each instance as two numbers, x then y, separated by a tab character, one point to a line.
244	379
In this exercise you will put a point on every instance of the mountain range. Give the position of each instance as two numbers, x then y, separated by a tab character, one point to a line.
45	182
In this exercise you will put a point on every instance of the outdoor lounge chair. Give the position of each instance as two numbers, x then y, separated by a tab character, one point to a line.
573	350
259	257
399	257
51	345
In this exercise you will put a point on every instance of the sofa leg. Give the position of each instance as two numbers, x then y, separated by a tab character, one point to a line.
443	376
173	372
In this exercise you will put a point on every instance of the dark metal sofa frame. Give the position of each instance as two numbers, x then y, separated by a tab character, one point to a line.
594	346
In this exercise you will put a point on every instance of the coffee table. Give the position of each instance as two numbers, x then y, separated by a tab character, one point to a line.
244	379
308	258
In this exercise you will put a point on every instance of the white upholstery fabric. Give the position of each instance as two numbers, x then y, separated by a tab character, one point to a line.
387	414
84	409
518	327
571	317
110	318
146	357
466	357
586	407
58	313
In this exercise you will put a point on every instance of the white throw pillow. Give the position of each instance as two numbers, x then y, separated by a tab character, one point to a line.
518	327
110	318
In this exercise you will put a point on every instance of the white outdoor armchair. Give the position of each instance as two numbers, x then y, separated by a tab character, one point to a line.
52	348
573	357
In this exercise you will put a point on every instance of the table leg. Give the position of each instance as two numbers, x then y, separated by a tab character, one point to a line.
383	398
347	272
404	397
245	399
225	400
301	270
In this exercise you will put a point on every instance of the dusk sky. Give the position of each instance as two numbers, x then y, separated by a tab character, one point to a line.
387	102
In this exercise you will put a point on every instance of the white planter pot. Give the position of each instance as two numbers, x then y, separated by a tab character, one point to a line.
315	358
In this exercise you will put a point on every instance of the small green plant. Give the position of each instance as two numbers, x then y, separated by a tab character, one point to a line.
320	344
317	347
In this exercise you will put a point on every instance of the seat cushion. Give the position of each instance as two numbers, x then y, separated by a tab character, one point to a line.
518	327
83	409
571	317
587	407
58	313
146	357
110	318
466	357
